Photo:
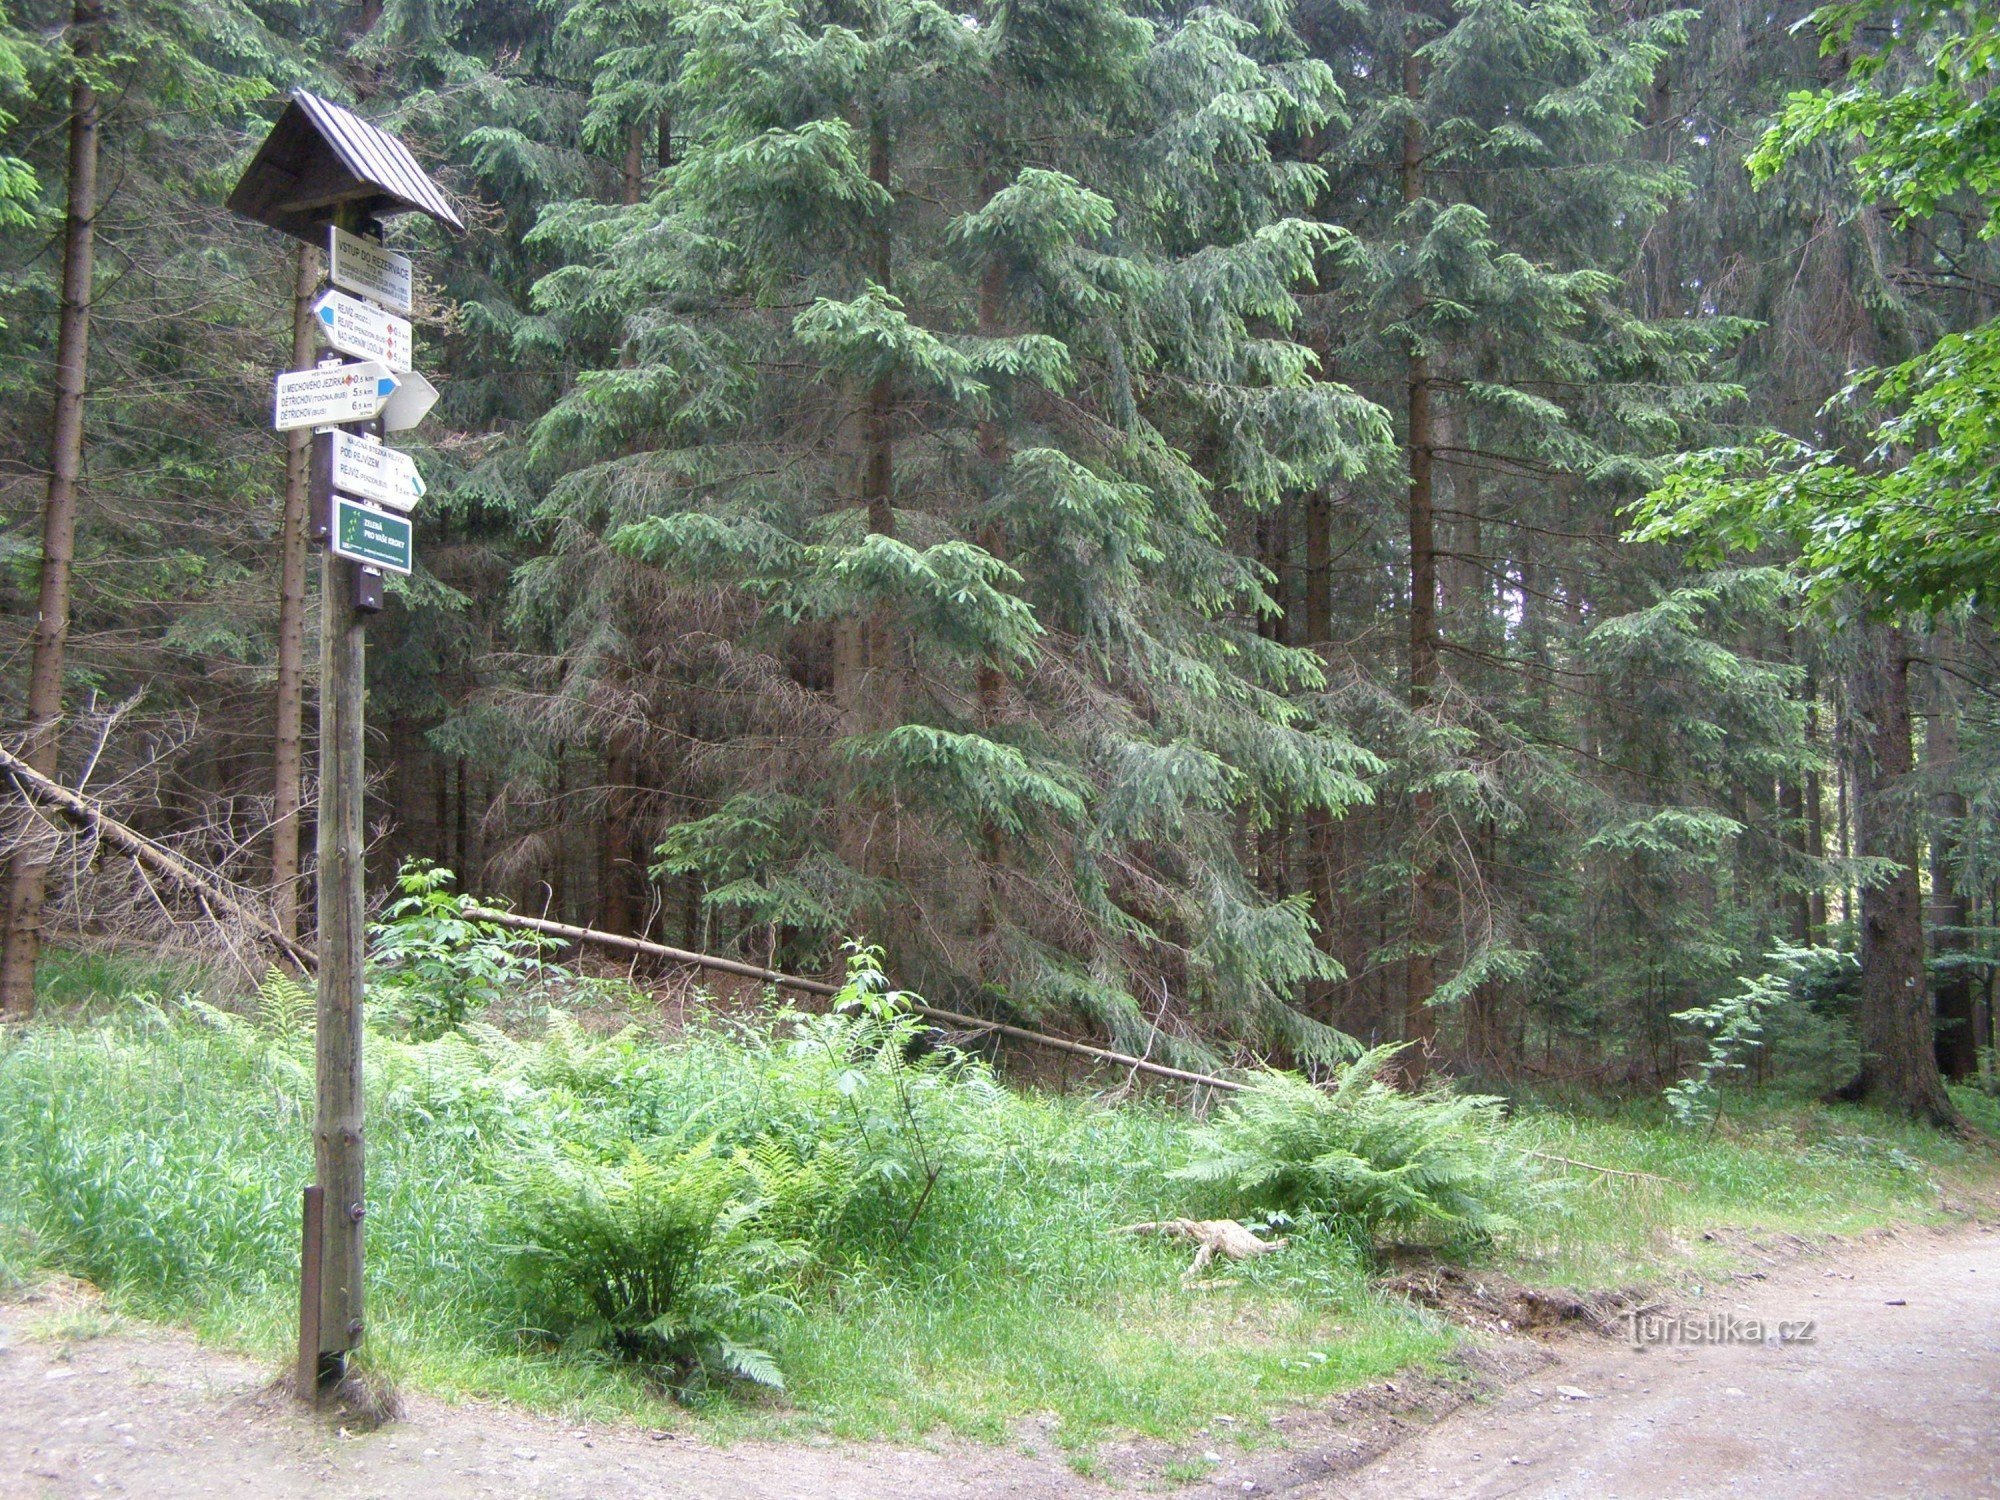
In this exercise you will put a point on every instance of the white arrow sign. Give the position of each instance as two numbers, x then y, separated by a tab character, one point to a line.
339	393
413	397
355	327
375	472
363	266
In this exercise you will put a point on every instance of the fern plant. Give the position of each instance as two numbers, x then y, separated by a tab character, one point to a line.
678	1258
1362	1158
285	1006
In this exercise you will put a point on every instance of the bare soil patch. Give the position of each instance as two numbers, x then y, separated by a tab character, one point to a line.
1495	1303
1898	1394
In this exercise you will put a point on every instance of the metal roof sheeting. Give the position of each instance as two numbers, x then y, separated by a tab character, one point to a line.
377	157
320	155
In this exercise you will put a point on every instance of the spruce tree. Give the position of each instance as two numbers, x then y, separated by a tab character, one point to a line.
1496	190
919	331
180	86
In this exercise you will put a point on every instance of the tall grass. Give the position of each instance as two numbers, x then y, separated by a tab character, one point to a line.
1768	1168
160	1154
159	1151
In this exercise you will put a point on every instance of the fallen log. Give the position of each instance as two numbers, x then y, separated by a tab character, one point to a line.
617	942
169	866
645	946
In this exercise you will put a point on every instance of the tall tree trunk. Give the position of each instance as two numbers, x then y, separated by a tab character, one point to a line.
1815	796
1798	904
467	865
1899	1057
1843	807
1274	546
559	840
366	79
27	874
287	757
863	645
878	475
1950	913
1658	273
1322	841
1794	839
878	466
616	872
1319	568
440	845
635	162
1462	581
995	453
1419	968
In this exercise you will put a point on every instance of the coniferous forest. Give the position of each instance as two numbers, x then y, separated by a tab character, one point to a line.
1231	530
1132	742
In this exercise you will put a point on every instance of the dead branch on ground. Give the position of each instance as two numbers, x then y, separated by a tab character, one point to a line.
1223	1237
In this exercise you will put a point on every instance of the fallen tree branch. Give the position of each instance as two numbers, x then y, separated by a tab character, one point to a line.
1591	1166
1216	1237
170	867
646	946
619	943
1082	1049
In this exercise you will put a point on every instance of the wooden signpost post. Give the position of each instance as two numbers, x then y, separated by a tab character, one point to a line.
326	176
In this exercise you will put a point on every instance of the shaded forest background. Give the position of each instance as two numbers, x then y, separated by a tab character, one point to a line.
1125	505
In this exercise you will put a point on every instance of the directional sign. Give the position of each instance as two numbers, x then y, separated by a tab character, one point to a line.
363	266
413	397
361	329
367	535
375	472
338	393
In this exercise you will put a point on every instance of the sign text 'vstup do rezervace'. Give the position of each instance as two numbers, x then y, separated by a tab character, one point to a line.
361	265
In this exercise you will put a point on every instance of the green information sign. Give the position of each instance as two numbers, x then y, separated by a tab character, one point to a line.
375	537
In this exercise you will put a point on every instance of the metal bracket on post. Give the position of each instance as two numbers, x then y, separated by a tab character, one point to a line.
367	589
311	1266
319	486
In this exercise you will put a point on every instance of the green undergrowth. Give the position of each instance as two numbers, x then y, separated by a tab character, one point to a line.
159	1153
934	1249
1766	1168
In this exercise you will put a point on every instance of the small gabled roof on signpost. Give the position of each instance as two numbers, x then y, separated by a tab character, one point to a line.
320	156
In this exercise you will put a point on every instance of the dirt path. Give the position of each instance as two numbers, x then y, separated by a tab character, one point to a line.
1898	1394
150	1414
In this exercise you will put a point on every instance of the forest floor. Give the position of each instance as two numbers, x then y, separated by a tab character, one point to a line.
1895	1394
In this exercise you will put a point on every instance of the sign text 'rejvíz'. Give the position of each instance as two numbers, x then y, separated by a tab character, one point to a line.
375	472
363	330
